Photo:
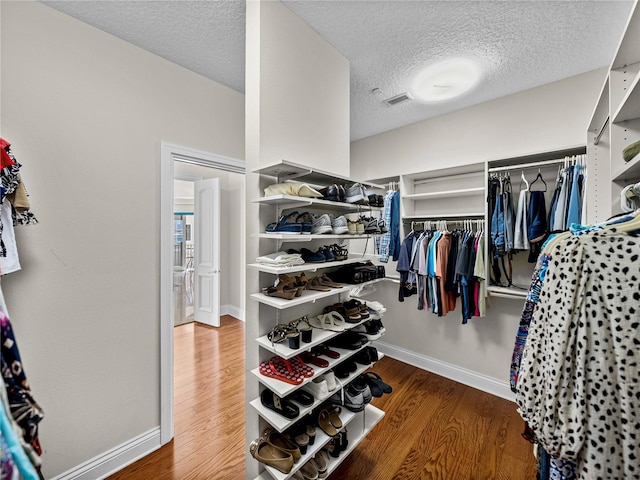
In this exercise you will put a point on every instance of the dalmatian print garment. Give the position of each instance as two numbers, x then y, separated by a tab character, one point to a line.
578	385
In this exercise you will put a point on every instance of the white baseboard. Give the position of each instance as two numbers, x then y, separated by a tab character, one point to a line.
232	310
115	459
447	370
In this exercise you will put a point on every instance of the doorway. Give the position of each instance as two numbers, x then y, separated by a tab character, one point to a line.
196	242
199	168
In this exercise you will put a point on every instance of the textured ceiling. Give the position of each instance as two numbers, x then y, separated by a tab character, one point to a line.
518	44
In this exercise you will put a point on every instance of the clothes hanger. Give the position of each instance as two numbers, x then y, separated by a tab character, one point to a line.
539	177
523	179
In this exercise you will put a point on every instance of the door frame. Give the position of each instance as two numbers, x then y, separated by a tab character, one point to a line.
170	152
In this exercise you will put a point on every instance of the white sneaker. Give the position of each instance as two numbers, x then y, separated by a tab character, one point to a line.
321	224
318	387
339	225
330	378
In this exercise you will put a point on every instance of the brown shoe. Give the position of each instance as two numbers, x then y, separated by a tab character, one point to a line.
270	455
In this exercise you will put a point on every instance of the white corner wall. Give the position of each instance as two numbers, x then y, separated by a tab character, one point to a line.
86	114
547	118
305	110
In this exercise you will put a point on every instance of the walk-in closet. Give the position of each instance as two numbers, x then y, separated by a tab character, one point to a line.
413	253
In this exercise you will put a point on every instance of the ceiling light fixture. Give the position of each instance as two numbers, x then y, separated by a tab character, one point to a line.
446	80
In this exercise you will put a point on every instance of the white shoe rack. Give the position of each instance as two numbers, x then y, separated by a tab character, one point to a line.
310	303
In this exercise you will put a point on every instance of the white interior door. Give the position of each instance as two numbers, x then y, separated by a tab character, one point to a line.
206	211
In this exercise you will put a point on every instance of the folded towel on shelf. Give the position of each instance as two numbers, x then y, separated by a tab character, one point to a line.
281	259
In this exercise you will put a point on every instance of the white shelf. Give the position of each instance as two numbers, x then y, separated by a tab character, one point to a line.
321	440
507	292
282	389
290	201
630	105
308	296
630	171
287	170
301	237
446	193
307	267
318	337
370	417
281	423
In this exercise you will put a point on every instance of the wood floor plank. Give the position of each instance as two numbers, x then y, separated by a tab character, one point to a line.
434	428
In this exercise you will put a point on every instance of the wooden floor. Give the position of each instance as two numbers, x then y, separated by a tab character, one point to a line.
434	428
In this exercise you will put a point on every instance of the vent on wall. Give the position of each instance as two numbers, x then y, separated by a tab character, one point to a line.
403	97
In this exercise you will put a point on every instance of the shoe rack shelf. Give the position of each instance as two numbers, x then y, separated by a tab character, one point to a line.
359	423
285	170
299	237
363	422
281	423
285	202
308	296
306	267
319	337
282	389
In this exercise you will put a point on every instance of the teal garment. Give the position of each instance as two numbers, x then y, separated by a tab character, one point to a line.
23	463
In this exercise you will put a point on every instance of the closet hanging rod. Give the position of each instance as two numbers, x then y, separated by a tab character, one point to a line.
596	139
520	166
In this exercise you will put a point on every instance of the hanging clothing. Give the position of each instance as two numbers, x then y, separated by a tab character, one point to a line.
574	212
537	224
560	214
10	263
407	281
521	236
577	384
389	243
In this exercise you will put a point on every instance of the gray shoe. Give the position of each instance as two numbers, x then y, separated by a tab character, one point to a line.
321	224
356	194
350	399
339	225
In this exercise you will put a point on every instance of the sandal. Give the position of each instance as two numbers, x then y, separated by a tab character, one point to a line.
326	351
340	252
334	416
306	221
298	365
314	359
375	379
315	284
301	283
282	290
324	422
332	321
304	327
285	225
303	398
280	369
350	314
354	304
279	405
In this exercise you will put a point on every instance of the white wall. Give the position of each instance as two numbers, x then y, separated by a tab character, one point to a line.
547	118
86	113
305	114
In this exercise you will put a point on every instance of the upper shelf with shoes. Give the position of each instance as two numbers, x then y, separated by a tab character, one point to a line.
286	170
